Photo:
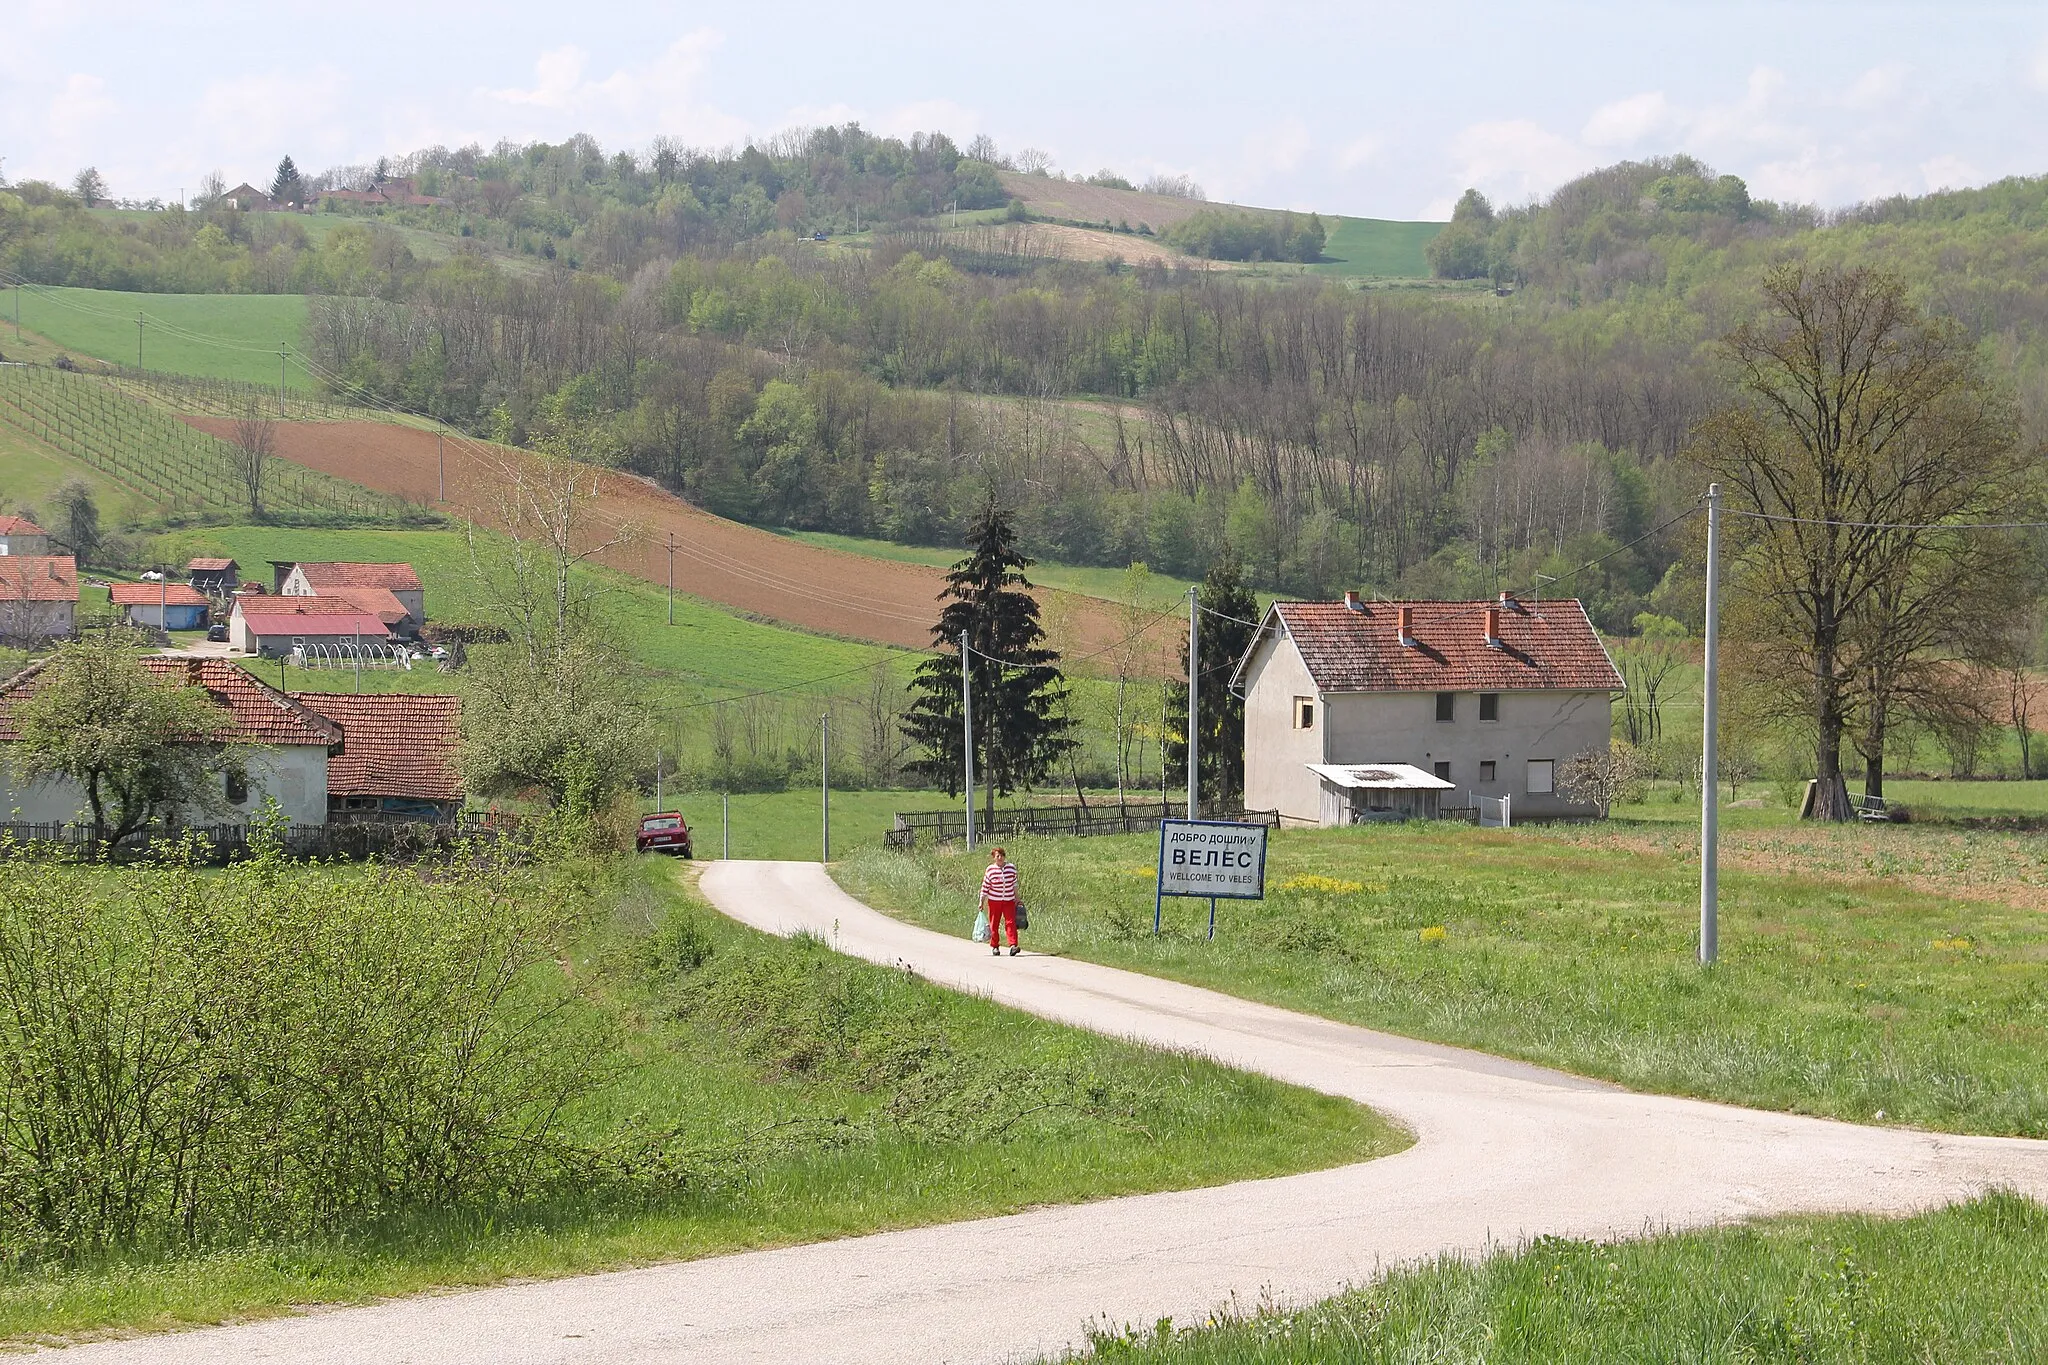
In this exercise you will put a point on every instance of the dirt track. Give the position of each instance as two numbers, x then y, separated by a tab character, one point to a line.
720	561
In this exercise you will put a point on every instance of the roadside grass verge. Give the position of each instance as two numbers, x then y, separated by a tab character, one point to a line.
761	1093
1842	991
1961	1284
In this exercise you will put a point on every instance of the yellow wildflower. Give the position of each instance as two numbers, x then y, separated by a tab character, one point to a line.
1435	933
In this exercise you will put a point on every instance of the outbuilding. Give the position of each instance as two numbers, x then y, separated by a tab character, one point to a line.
165	606
303	579
1358	794
275	627
214	577
397	761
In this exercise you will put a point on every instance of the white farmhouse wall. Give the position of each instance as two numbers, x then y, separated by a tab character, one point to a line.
1276	754
38	620
1401	727
296	775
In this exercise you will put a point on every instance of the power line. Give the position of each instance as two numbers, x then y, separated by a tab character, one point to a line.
1892	525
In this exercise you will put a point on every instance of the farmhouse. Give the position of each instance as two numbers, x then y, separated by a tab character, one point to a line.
297	579
38	598
166	606
398	759
288	746
248	198
270	627
1487	698
214	577
20	536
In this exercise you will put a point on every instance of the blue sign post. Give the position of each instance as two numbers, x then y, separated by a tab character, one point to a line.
1219	859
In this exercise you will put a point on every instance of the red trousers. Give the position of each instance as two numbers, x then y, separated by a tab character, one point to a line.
1000	913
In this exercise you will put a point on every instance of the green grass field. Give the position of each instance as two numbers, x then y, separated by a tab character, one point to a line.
1891	974
30	472
806	1096
1961	1284
1376	247
1166	590
216	336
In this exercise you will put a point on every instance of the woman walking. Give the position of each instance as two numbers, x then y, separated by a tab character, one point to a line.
999	900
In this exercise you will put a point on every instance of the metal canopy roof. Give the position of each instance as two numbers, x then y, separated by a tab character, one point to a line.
1380	777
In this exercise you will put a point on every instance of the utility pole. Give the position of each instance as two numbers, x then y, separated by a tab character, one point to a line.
967	734
280	381
1194	706
825	782
1710	716
671	577
441	463
725	825
657	779
358	653
138	339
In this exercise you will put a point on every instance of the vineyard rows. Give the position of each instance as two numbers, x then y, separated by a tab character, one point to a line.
92	420
227	397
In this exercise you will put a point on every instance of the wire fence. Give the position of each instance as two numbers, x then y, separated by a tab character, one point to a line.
913	828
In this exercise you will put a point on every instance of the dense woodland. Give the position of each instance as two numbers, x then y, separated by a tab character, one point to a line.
1423	441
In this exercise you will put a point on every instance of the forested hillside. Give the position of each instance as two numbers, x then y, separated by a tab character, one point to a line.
689	328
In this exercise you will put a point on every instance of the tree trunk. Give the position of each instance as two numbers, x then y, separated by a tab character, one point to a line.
1831	801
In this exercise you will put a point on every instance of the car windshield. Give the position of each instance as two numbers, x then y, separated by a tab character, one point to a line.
662	822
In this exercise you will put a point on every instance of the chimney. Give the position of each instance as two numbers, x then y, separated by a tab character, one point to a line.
1507	600
1351	601
1407	625
1493	627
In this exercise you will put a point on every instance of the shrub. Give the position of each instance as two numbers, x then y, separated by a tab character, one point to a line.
190	1057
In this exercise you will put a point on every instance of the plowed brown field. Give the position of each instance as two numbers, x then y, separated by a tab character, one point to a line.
720	561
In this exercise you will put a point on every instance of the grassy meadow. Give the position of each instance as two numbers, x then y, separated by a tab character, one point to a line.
1960	1284
1893	974
215	336
1375	247
798	1095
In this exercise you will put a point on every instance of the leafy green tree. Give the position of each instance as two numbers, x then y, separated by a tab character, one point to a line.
1020	720
141	746
563	724
78	519
1229	621
288	186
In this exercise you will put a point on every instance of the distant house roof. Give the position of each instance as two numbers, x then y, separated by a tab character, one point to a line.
247	196
319	623
149	594
20	526
379	602
256	713
212	566
395	744
401	192
38	578
1548	645
1380	777
393	577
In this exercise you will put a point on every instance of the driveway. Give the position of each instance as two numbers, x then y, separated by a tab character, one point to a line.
1504	1151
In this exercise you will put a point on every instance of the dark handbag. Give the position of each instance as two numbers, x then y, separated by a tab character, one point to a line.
1023	916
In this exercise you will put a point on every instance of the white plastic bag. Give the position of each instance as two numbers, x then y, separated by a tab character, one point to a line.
981	926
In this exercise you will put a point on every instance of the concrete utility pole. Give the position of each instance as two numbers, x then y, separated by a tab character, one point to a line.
138	340
441	463
725	824
671	577
280	381
1194	706
825	783
1710	756
657	779
967	734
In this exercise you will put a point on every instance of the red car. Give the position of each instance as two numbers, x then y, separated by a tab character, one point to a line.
663	832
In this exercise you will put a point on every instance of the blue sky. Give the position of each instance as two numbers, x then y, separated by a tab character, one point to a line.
1373	109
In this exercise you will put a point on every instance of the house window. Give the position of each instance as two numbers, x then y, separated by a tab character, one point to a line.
1542	776
1446	705
1486	770
237	787
1443	769
1304	713
1489	706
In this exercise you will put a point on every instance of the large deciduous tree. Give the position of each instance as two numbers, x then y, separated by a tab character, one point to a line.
1864	436
1020	722
139	745
1230	614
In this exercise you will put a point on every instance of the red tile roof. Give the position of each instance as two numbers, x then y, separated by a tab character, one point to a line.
211	566
1543	646
38	578
20	526
307	616
257	713
395	744
379	602
395	577
149	594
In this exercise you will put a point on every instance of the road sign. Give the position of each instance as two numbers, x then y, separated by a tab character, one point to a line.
1219	859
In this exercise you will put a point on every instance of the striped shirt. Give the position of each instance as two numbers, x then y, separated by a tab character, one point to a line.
1000	883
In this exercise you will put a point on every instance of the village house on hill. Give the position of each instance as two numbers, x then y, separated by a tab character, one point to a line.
296	578
214	577
1354	708
38	598
20	536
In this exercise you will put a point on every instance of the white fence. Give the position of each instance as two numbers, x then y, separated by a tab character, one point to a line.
1494	812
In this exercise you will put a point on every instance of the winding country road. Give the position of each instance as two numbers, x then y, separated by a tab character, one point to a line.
1503	1151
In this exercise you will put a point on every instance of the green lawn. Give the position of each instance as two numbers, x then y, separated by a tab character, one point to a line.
802	1095
1376	247
1167	591
216	336
1893	974
1961	1284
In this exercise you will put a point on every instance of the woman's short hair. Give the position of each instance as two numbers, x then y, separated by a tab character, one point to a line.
997	852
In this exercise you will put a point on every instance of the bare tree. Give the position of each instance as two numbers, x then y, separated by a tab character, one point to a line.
1865	431
213	187
551	526
1601	777
250	445
2020	655
1034	161
881	738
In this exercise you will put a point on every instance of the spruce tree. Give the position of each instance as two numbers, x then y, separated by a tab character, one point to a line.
1020	723
1225	636
289	187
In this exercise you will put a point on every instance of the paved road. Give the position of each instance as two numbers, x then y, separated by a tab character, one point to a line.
1504	1151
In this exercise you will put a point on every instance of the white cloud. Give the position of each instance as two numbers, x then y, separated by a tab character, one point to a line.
1880	87
79	108
1360	151
631	104
1513	159
2037	67
1627	122
1948	172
